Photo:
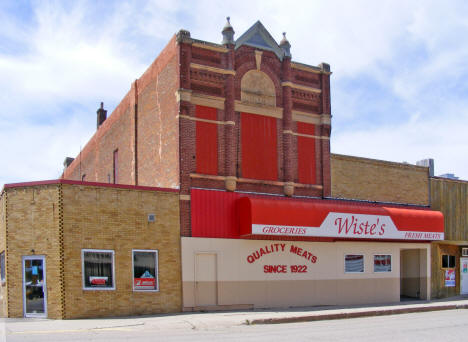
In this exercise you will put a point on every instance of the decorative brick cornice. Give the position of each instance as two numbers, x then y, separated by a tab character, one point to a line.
200	99
206	120
305	135
74	182
301	87
275	112
207	100
212	69
309	68
311	118
206	46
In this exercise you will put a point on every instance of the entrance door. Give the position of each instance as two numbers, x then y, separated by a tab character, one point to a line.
206	286
463	275
34	286
410	286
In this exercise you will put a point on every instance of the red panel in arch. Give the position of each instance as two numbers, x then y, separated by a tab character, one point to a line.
259	147
306	154
206	141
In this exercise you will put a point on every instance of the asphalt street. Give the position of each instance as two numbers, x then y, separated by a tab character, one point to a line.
450	325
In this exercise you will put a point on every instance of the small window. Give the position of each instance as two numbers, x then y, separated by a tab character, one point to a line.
354	263
448	261
382	263
98	269
2	266
145	270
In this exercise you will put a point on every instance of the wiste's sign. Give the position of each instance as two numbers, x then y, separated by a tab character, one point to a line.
346	225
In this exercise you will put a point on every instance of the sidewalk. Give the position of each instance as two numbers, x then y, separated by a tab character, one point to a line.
220	320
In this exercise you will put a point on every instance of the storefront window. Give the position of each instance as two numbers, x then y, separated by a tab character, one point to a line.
98	269
145	270
354	263
2	266
382	263
448	261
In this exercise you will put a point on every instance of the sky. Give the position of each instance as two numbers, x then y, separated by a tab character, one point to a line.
399	88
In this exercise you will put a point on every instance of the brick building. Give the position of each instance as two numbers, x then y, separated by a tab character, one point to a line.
242	134
56	233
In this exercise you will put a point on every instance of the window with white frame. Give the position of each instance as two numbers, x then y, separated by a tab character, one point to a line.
382	263
145	270
354	263
98	269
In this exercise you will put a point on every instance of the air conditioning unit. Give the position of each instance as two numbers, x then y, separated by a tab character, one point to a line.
465	252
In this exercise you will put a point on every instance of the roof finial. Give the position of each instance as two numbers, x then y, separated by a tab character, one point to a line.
228	33
285	46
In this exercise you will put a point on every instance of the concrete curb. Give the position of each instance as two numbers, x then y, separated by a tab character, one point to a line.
356	314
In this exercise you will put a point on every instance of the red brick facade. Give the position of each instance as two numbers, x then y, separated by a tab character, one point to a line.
164	140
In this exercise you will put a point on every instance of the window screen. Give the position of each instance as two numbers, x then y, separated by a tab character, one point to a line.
354	263
382	263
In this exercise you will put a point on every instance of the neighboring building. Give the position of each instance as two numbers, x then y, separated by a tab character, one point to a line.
242	134
449	176
376	180
73	250
450	256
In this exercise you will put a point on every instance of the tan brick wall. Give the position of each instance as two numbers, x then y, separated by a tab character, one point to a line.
33	222
86	217
376	180
3	288
116	219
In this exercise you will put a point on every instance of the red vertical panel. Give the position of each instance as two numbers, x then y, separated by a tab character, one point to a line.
213	214
259	147
206	141
306	154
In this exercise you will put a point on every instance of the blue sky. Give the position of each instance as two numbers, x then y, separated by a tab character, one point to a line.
399	83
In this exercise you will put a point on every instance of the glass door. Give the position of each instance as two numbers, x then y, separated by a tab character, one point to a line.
463	275
34	286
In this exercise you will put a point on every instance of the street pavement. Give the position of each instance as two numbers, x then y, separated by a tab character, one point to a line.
221	320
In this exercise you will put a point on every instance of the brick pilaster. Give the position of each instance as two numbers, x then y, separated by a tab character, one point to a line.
289	168
230	130
326	132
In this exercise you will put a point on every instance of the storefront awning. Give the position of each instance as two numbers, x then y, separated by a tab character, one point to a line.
259	216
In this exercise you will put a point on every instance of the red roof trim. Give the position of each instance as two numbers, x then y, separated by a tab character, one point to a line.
73	182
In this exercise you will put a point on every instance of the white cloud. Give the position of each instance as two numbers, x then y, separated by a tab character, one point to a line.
60	63
444	140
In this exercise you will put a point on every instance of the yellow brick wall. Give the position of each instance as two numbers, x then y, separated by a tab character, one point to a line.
116	219
32	217
3	293
376	180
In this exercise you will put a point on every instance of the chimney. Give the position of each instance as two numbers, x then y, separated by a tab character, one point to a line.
429	162
101	115
67	162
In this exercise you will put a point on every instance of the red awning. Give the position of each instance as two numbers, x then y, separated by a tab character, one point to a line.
259	216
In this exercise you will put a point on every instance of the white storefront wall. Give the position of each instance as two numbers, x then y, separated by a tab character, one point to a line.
267	273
